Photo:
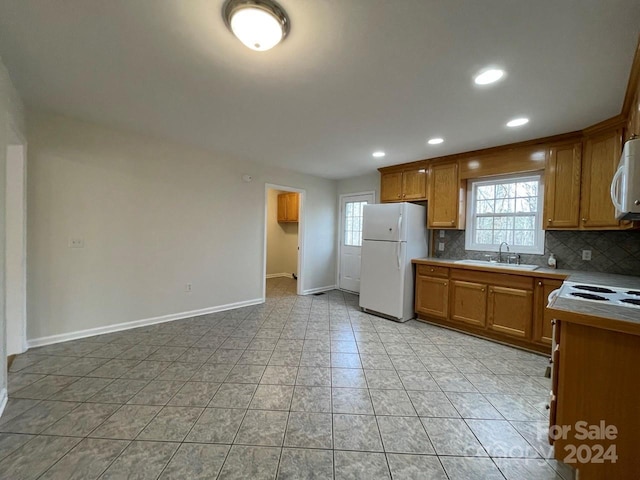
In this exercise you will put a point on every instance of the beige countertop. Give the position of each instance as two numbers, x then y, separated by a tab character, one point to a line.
612	317
539	272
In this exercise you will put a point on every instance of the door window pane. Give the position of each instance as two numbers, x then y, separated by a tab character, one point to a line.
353	223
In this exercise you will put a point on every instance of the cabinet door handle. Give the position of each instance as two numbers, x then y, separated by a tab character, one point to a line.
549	220
398	195
452	222
539	284
445	284
584	220
482	290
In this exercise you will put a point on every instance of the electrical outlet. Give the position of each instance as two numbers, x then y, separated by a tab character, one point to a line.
441	233
188	288
441	246
586	255
76	242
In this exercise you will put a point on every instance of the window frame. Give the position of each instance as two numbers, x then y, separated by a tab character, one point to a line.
471	215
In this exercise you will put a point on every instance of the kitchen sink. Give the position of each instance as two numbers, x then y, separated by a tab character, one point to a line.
505	266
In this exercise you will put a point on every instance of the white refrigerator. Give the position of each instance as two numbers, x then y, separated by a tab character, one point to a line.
392	234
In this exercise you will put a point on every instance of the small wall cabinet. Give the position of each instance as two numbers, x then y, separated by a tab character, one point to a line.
447	202
562	186
601	157
404	184
288	206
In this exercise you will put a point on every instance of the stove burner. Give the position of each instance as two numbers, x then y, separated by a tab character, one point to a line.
591	288
632	301
635	293
590	296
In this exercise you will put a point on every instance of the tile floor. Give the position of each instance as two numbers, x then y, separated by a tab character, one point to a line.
296	388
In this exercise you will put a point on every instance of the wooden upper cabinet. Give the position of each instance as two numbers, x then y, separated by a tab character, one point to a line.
562	186
288	206
509	311
406	184
391	187
414	184
601	157
446	204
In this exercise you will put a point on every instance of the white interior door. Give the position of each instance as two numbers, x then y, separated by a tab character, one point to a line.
351	239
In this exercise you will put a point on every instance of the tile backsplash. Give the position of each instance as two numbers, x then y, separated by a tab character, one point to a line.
611	252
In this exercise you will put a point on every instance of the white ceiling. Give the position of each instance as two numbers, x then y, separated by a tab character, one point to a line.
354	76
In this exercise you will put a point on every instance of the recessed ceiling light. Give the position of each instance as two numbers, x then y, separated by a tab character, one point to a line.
379	154
517	122
488	75
435	141
259	24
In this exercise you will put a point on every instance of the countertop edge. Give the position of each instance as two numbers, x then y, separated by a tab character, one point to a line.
539	273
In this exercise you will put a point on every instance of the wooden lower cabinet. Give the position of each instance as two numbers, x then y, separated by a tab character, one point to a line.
469	302
432	296
597	382
503	306
509	311
542	328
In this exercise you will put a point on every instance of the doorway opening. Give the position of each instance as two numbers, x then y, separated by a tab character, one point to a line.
350	239
284	222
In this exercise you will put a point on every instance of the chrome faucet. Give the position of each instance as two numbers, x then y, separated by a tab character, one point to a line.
500	251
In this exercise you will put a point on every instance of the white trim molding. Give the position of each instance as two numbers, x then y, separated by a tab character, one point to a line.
278	275
118	327
311	291
4	398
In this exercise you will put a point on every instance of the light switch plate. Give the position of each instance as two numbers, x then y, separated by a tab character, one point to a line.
586	255
441	246
441	233
76	242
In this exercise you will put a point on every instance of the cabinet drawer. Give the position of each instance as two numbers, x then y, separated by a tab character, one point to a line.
491	278
433	271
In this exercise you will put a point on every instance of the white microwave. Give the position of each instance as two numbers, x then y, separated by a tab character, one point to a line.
625	186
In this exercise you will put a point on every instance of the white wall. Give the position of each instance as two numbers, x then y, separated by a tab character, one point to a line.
16	250
11	129
282	240
364	183
154	216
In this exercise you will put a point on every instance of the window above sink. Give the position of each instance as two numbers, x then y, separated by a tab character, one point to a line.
505	209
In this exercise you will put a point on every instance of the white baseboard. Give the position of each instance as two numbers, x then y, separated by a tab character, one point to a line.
279	275
311	291
65	337
3	400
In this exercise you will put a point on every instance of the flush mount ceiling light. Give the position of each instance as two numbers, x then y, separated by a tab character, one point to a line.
259	24
517	122
435	141
488	75
378	154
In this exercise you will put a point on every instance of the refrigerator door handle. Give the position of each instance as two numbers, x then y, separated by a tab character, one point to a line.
398	245
399	227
